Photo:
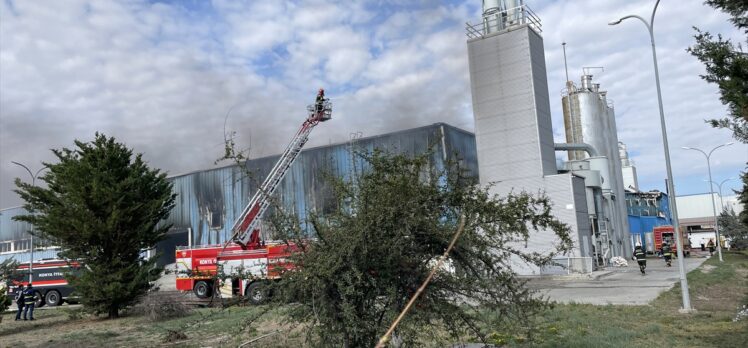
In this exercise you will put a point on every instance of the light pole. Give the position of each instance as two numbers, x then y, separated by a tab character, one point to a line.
711	192
719	187
671	189
31	242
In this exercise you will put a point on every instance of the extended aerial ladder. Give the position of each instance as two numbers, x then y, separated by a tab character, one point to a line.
246	229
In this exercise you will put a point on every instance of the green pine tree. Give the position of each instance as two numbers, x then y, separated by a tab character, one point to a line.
102	206
727	66
390	226
731	227
743	198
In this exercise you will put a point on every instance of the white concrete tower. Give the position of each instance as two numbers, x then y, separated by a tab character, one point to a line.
513	128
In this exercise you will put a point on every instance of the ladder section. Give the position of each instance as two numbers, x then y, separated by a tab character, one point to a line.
246	229
603	243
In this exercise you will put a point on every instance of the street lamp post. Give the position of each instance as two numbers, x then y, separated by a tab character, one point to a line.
719	187
711	192
31	241
671	189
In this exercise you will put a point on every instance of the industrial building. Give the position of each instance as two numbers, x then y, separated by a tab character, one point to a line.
512	148
696	214
514	136
210	200
647	210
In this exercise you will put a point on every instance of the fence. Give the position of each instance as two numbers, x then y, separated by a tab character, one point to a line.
498	20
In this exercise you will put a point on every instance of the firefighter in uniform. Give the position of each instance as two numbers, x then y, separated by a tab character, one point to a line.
667	253
19	301
641	258
319	103
29	297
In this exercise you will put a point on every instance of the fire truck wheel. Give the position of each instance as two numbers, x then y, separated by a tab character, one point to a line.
202	289
257	293
39	299
53	298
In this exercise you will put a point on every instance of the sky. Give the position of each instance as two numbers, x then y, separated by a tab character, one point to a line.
170	78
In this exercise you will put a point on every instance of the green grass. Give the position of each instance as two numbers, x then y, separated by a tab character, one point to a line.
716	295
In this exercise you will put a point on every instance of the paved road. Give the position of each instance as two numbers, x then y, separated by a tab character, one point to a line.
623	285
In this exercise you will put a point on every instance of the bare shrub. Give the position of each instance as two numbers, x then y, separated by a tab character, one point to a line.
160	306
174	336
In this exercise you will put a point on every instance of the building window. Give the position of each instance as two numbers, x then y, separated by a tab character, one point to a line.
22	245
216	220
6	247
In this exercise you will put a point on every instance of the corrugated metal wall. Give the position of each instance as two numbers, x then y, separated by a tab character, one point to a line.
515	136
11	229
209	201
511	106
643	217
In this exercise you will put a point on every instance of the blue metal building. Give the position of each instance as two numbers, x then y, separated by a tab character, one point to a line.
646	210
209	201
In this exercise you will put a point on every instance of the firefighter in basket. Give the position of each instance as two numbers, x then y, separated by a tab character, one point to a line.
319	103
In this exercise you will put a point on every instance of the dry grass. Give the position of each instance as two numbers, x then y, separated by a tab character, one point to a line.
202	327
158	307
716	294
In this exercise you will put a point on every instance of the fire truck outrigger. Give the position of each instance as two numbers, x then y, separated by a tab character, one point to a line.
250	260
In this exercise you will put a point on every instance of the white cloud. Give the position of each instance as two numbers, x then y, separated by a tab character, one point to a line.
625	52
162	76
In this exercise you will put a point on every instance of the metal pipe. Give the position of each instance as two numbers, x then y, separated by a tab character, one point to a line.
566	68
576	147
189	237
686	297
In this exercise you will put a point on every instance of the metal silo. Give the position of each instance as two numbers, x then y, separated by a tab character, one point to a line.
584	119
617	173
501	14
589	119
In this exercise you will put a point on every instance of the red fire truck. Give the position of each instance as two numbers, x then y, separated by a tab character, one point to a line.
246	262
198	267
665	234
48	281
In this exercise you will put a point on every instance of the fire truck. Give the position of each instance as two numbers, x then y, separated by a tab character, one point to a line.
665	234
250	261
49	281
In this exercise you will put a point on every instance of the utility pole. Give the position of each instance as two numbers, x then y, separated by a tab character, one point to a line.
711	192
686	297
31	241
